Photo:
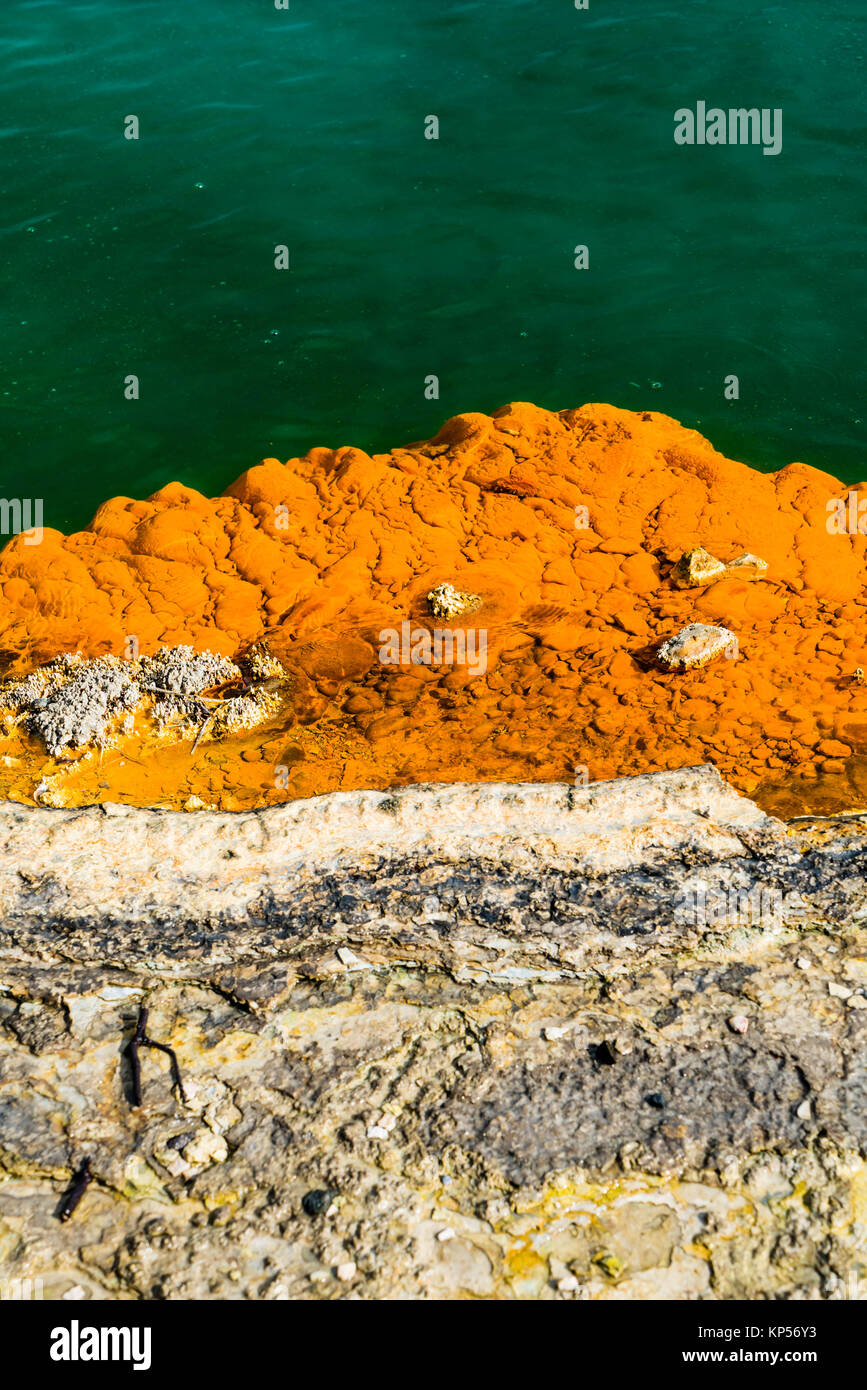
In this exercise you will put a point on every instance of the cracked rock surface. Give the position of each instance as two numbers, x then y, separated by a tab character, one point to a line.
475	1041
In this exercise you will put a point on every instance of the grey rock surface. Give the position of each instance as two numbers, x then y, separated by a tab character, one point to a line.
487	1025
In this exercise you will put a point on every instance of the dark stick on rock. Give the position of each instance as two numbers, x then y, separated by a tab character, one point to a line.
137	1038
141	1039
80	1184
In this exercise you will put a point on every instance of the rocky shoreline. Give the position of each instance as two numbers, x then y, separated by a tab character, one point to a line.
497	1041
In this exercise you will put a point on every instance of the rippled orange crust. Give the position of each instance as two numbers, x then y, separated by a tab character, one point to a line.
490	504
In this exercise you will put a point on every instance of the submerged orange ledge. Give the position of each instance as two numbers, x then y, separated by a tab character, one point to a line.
566	525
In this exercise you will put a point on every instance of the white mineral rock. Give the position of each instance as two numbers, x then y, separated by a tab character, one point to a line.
695	646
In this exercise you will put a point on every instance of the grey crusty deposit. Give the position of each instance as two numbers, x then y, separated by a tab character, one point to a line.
502	1041
73	702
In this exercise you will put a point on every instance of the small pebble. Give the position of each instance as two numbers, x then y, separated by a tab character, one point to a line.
605	1054
738	1023
377	1132
657	1100
321	1199
551	1034
568	1285
803	962
346	1271
388	1122
804	1110
351	960
839	991
446	1233
857	1001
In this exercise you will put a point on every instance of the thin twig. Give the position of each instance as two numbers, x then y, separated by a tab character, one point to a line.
201	734
176	1071
182	695
836	815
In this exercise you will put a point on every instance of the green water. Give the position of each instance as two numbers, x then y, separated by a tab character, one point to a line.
412	257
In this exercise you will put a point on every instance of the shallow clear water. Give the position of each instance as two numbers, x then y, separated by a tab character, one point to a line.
413	257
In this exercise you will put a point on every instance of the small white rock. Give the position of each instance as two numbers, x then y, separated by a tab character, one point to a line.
75	1293
551	1034
347	1271
804	1110
748	562
839	991
351	960
446	1233
205	1149
803	962
388	1122
738	1023
695	646
697	568
175	1165
568	1285
377	1132
857	1001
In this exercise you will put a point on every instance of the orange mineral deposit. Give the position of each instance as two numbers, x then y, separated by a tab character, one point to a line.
560	530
